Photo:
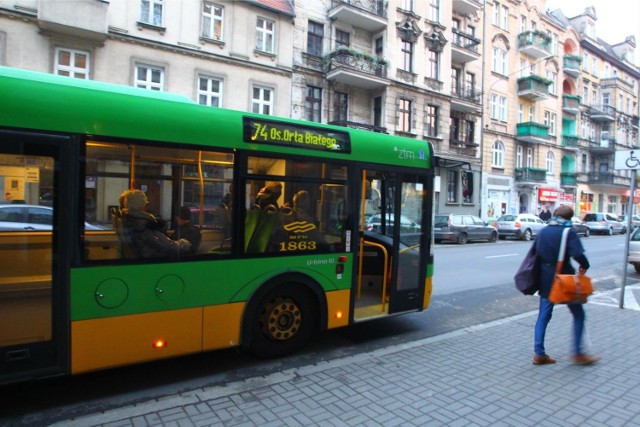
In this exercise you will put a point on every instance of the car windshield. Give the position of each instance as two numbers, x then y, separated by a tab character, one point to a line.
507	218
594	217
441	221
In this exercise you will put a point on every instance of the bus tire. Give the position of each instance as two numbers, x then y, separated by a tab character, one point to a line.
282	321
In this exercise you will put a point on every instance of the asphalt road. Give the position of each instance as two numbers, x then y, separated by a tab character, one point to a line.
473	285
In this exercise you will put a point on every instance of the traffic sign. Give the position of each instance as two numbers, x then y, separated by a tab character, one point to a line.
627	160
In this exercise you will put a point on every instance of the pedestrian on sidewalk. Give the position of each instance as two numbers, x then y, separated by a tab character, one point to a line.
547	249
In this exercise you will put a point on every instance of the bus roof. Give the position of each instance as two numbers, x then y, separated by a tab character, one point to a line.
41	101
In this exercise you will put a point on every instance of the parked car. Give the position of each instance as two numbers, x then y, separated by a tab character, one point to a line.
18	217
635	221
581	228
604	223
522	226
462	228
407	225
634	250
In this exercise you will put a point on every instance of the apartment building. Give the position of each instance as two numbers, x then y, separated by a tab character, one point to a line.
229	54
404	67
550	119
608	121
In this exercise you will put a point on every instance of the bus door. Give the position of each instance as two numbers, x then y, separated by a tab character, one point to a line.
391	263
31	326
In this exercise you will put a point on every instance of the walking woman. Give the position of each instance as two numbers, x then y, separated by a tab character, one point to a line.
547	249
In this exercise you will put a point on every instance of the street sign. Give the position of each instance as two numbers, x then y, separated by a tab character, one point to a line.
627	160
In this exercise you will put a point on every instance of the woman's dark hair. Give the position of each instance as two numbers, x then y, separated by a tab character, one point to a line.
565	212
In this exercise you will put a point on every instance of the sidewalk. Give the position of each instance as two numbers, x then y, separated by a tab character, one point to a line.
479	376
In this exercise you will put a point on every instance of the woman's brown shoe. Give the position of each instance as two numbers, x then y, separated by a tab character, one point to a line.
543	359
585	359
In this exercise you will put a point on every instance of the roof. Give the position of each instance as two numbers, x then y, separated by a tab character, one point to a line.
280	6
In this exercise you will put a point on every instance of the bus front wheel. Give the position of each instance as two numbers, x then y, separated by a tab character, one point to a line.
282	321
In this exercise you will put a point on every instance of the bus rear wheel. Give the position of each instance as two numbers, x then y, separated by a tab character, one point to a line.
282	321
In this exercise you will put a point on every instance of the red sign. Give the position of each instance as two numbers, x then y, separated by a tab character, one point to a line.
547	194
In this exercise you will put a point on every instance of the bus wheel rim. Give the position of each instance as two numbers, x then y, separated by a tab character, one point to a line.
281	318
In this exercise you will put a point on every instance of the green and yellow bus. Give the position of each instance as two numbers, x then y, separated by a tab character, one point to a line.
297	223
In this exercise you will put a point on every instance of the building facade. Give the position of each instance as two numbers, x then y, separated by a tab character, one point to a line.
550	123
524	107
231	54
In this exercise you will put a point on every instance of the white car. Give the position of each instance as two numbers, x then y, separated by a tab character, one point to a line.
18	217
634	250
522	226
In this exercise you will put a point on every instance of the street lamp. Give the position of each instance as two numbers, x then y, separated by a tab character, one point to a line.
485	98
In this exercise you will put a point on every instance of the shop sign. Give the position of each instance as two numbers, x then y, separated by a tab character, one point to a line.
547	195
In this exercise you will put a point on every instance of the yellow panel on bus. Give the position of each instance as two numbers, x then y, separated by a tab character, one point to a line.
116	341
221	325
338	308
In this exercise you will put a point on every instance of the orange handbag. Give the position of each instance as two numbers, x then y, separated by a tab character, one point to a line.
569	288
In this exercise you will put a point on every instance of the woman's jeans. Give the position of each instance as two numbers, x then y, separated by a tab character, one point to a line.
544	316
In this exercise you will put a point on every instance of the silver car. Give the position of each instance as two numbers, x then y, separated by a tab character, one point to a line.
521	226
604	223
20	217
634	250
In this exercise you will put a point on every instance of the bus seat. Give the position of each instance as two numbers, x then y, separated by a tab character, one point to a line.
127	249
259	227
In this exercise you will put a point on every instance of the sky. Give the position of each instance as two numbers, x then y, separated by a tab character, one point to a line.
617	19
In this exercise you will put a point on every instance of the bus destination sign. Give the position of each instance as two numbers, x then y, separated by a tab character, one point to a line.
295	135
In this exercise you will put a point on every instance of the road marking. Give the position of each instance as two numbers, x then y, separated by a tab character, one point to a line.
500	256
611	298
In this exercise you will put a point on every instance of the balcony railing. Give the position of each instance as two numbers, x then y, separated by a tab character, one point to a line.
531	174
605	113
571	65
370	15
571	104
533	87
467	93
609	178
570	141
356	125
535	44
603	146
356	69
532	132
568	179
465	41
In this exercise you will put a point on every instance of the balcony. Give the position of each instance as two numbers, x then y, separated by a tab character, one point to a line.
570	104
356	69
532	132
602	113
568	179
533	175
609	178
635	121
535	44
465	98
570	142
616	83
81	19
370	15
466	7
571	65
356	125
464	47
604	146
534	88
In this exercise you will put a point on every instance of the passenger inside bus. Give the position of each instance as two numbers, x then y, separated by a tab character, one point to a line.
186	229
143	233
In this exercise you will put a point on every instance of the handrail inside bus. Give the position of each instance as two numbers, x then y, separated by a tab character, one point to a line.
384	271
